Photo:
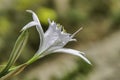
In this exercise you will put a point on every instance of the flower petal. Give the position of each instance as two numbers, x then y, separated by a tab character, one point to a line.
51	35
35	18
55	36
30	24
39	29
73	52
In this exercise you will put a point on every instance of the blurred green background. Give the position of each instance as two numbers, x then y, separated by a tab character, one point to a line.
100	38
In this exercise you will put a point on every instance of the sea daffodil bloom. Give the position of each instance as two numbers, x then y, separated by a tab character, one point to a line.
54	39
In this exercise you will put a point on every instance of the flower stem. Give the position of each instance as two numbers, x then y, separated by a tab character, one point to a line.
33	59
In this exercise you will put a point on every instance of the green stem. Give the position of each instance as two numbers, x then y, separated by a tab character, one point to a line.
33	59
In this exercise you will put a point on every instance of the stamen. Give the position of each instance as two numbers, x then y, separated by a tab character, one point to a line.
49	21
29	11
76	32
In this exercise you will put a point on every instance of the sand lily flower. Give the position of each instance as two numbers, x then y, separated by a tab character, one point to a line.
54	39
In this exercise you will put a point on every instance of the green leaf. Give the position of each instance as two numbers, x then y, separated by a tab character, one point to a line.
18	47
14	72
2	67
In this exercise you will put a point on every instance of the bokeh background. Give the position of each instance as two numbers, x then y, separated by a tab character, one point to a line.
99	39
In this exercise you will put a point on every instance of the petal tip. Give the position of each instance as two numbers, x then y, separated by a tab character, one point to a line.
89	63
23	29
30	11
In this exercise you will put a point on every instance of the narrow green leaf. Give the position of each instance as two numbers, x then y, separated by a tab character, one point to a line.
18	47
14	72
2	67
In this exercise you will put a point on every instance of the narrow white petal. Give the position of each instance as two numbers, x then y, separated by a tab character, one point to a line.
73	52
39	28
30	24
41	34
35	18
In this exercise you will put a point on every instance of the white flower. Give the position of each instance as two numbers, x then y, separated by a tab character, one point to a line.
54	39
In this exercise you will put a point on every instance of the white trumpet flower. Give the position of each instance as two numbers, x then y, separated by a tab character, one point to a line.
54	39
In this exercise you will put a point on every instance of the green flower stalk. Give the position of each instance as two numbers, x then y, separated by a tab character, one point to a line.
53	40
